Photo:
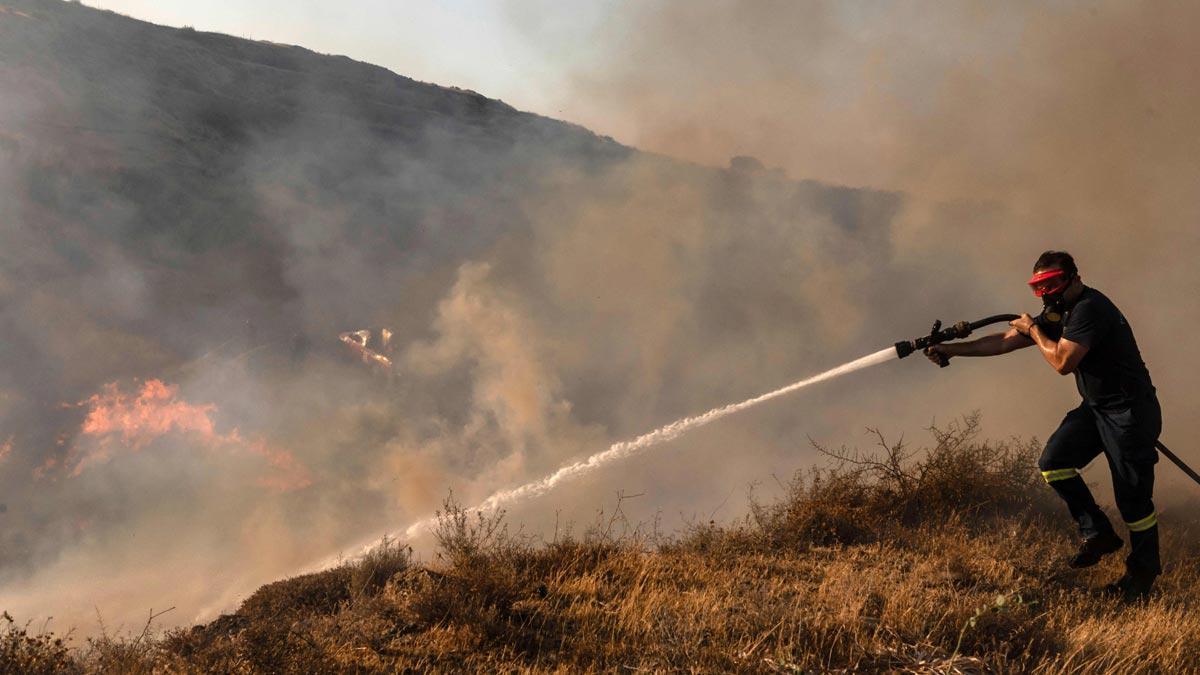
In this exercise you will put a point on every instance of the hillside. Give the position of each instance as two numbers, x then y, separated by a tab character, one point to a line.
188	221
194	227
946	560
161	143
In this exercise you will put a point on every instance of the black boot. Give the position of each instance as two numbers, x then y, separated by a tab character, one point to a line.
1094	548
1142	567
1134	587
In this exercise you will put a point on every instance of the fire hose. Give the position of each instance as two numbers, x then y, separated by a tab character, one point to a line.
938	335
962	329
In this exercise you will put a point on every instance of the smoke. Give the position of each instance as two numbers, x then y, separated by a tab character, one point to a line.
550	292
977	100
1015	126
1010	127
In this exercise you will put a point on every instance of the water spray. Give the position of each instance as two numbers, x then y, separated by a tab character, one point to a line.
662	434
937	335
632	447
624	449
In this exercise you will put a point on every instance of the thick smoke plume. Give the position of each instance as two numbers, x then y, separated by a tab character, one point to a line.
1010	127
192	239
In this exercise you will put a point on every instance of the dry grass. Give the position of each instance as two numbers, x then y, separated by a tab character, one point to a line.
945	561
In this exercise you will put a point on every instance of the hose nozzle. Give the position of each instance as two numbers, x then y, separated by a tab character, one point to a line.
938	335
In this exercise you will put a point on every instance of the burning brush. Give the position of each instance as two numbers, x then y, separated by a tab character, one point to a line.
370	351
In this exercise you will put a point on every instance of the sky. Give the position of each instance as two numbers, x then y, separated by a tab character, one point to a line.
471	44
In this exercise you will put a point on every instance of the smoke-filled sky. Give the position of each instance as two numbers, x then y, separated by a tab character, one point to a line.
1075	117
550	293
473	44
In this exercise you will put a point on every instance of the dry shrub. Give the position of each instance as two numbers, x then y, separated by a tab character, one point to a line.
479	583
933	561
274	632
22	653
131	654
317	593
273	629
372	571
873	496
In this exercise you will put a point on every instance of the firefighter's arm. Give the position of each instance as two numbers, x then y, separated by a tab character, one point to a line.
988	345
1063	355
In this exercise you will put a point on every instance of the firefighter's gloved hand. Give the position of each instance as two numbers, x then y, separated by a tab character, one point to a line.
1023	324
938	354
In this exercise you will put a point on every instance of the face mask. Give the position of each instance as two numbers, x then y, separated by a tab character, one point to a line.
1051	286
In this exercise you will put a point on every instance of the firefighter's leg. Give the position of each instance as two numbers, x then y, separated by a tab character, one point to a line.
1070	448
1136	504
1129	445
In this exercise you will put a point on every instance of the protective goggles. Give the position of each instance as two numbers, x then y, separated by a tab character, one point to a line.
1049	282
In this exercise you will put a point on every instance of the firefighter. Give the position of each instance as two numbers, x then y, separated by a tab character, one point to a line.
1083	333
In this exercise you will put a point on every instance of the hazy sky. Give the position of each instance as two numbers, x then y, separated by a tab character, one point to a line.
702	81
473	44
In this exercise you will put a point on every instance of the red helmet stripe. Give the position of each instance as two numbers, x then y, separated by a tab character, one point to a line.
1042	276
1045	276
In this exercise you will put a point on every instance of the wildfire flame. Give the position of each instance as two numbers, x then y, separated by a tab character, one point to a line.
46	469
118	421
4	9
359	342
155	411
6	449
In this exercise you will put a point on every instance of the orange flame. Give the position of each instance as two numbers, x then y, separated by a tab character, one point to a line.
157	410
358	342
154	412
46	469
4	9
6	449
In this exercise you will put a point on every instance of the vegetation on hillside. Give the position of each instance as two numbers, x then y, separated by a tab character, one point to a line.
946	559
